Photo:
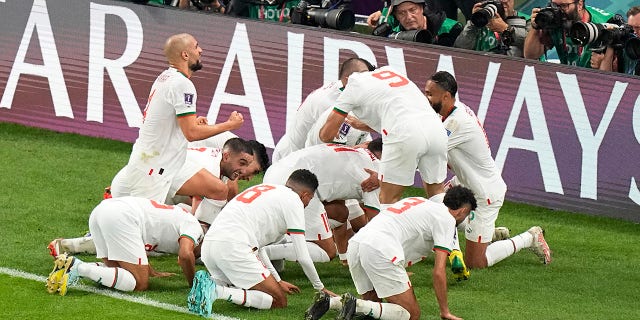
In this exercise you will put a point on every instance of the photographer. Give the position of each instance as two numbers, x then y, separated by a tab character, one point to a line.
495	26
622	60
551	27
409	15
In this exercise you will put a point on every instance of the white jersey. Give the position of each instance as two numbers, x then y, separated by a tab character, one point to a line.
469	155
196	160
339	169
161	145
259	216
308	112
216	141
387	102
162	225
347	135
410	229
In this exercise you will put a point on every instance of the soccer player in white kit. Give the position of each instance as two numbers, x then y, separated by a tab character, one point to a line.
340	171
412	133
232	249
124	229
399	236
208	168
169	121
312	108
469	158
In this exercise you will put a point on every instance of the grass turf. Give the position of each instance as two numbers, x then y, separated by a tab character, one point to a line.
51	182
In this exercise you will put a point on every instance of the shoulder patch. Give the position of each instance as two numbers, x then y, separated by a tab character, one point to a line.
188	98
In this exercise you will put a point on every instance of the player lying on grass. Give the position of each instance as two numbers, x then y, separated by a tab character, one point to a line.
239	271
123	229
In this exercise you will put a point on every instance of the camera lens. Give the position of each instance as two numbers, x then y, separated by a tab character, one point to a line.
583	33
422	36
481	17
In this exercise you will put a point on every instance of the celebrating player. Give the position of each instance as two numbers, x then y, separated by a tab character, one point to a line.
123	230
412	133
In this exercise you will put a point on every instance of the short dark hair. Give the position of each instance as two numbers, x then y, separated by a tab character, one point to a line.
375	145
446	81
305	179
260	154
237	145
458	196
349	66
633	11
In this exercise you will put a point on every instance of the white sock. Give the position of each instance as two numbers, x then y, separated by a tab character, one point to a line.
287	252
78	245
208	209
499	250
335	303
117	278
248	298
380	310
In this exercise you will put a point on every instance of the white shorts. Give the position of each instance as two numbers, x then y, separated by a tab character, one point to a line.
117	233
316	222
425	150
233	263
132	181
481	222
372	270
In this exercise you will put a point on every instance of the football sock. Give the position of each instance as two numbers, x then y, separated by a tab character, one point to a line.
208	209
78	245
117	278
287	252
499	250
380	310
335	303
248	298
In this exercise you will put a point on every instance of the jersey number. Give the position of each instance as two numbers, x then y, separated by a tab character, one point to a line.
390	75
411	202
252	193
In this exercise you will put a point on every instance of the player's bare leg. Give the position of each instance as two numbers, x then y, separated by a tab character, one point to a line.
390	193
476	254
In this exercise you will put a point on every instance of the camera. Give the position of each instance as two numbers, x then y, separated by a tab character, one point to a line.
600	34
632	47
336	16
422	36
490	8
550	17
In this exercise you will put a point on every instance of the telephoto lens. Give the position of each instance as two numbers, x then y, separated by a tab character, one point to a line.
490	9
422	36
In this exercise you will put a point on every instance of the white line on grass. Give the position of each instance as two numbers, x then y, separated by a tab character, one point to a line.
109	293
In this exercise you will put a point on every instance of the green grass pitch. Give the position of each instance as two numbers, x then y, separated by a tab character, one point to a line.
51	181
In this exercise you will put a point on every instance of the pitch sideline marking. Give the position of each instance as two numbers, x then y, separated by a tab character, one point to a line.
109	293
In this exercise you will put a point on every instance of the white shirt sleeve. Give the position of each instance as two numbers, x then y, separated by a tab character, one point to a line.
302	255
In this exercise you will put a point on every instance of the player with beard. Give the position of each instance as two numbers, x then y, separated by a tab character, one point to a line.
169	122
539	41
469	158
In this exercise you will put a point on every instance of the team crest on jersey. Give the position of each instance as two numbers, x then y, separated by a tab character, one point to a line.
448	132
188	98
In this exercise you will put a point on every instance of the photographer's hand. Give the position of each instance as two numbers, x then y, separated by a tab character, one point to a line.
373	19
534	13
497	25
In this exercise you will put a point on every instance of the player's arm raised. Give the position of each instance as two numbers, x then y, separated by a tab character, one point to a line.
195	129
